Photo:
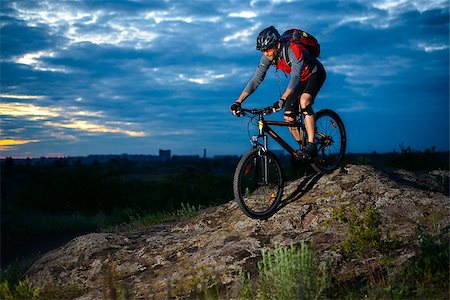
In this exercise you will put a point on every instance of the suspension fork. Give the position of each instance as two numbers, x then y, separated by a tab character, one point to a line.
261	126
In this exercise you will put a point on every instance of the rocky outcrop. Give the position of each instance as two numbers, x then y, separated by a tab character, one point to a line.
177	259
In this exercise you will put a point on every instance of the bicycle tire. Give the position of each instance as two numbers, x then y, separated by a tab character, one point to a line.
331	149
256	197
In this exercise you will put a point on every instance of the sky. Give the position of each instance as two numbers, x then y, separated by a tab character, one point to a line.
115	77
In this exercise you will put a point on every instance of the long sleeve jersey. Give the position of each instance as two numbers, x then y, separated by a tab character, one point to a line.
298	63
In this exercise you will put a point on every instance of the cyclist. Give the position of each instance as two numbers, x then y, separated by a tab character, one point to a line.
307	77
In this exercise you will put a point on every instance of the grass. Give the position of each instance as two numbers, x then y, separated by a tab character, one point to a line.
426	275
112	288
362	228
286	273
136	219
186	210
23	289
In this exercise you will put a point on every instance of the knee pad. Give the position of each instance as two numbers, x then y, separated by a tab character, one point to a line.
308	111
290	114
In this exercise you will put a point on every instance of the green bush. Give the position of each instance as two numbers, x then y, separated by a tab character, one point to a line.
287	273
21	290
428	274
362	228
160	217
425	276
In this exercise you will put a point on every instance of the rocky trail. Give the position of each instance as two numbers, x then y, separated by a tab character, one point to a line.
174	260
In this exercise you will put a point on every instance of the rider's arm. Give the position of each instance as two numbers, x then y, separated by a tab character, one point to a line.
286	93
257	78
296	68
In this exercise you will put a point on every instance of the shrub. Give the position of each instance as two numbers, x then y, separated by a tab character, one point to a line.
21	290
362	228
428	273
287	273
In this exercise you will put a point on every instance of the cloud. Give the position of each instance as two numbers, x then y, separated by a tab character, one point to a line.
83	125
395	7
386	14
373	20
29	111
356	106
432	47
11	144
206	79
68	117
243	14
77	23
366	70
242	34
24	97
35	61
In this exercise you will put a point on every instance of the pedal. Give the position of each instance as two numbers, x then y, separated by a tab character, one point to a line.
305	156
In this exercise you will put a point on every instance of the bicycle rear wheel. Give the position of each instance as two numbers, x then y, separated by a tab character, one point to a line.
331	141
258	183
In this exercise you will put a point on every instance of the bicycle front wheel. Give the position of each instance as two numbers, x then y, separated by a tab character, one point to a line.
258	183
331	141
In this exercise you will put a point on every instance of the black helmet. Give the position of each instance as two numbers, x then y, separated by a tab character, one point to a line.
267	38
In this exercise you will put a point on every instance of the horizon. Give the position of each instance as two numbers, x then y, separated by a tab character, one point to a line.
277	151
115	77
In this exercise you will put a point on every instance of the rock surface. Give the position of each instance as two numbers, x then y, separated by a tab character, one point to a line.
175	260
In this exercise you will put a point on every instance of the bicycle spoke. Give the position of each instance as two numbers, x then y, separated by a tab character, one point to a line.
258	187
330	135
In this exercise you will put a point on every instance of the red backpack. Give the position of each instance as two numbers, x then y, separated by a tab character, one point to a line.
303	38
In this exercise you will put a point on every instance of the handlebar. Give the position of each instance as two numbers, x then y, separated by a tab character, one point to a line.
256	111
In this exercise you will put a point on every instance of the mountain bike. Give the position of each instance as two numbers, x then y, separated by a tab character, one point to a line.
258	179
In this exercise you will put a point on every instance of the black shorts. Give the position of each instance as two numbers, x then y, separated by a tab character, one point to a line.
311	86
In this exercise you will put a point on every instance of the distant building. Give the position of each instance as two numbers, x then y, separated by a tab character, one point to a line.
164	155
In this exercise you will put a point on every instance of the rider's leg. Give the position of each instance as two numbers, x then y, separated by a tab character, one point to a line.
291	111
306	101
289	116
312	87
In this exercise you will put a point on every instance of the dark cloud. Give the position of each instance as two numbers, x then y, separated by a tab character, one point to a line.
18	38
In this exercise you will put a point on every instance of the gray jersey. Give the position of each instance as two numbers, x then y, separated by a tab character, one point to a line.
301	65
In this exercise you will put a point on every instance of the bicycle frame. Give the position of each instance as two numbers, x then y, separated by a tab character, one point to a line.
263	127
322	140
